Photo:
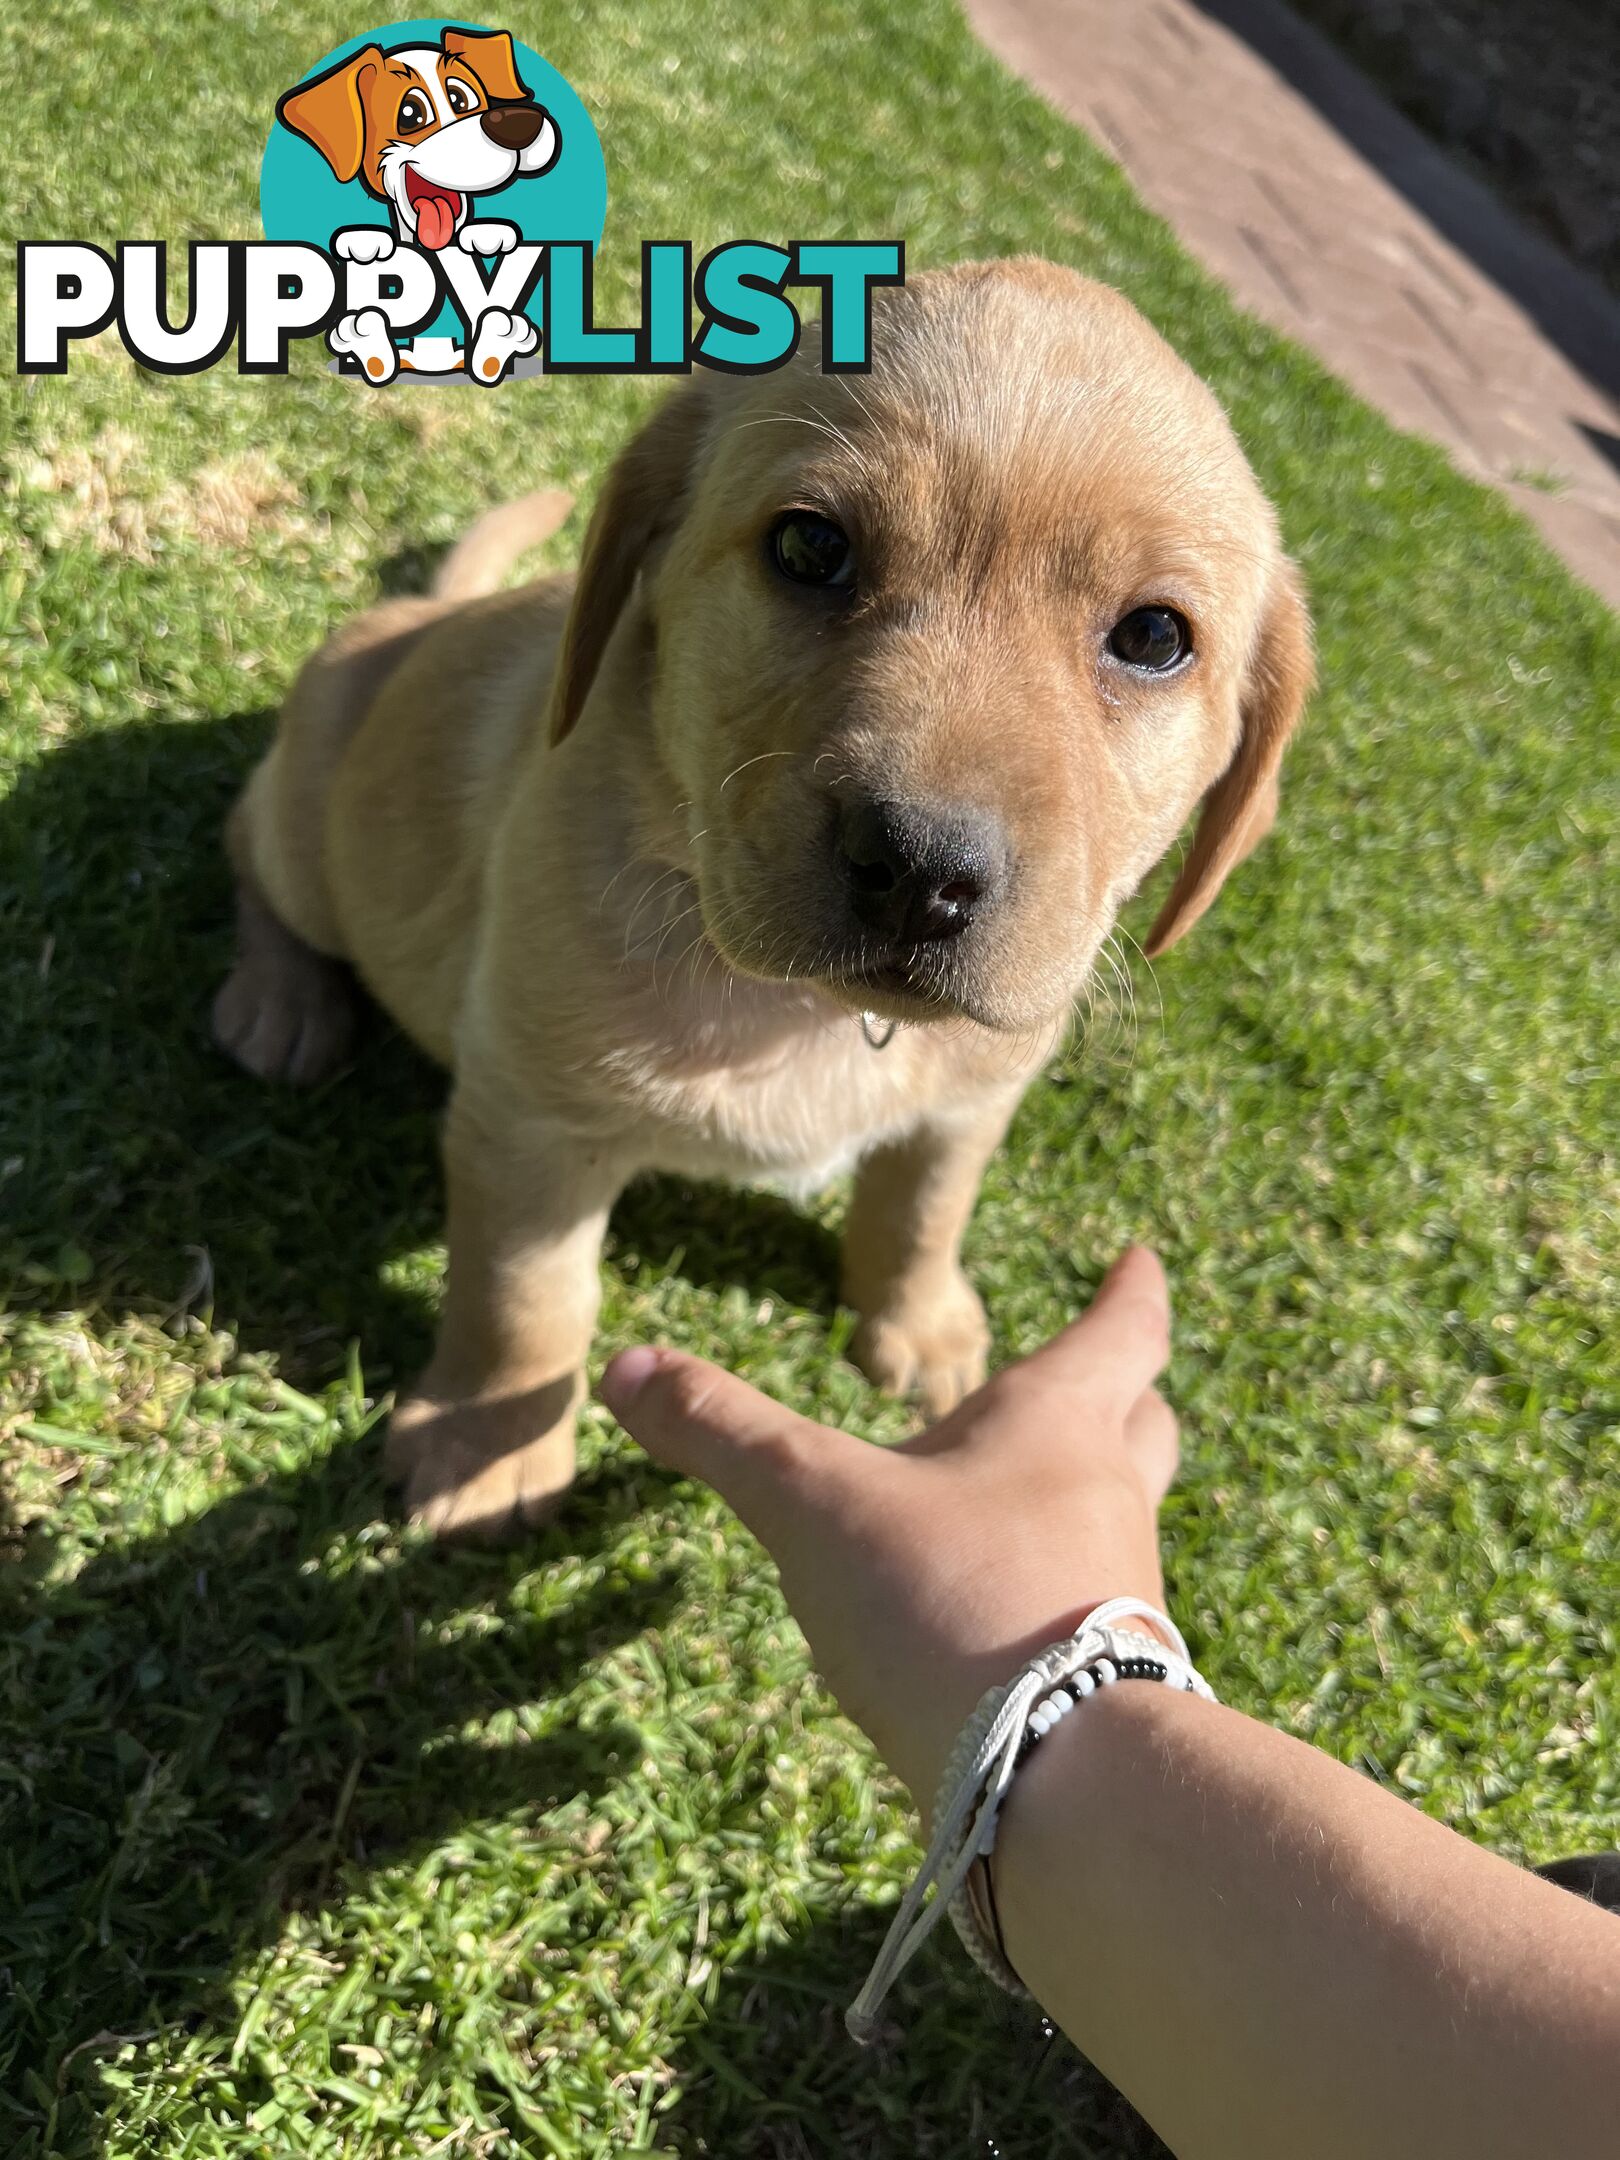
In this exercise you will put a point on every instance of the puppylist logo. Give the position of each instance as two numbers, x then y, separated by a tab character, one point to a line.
432	196
434	167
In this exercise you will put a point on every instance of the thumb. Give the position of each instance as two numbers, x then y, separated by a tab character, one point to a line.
706	1422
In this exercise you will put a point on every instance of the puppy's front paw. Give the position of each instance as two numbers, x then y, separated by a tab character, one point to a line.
501	338
364	244
484	1469
364	338
930	1343
490	237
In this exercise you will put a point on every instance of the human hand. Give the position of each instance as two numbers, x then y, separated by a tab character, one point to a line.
924	1573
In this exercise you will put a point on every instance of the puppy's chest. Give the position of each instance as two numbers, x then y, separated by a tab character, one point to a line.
794	1103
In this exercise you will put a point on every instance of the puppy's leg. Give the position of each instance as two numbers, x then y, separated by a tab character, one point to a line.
922	1329
285	1011
486	1443
288	1007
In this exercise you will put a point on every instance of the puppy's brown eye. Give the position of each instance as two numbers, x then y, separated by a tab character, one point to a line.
1151	638
458	97
812	550
413	112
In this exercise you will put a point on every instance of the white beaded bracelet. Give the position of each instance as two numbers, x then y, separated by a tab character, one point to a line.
1010	1719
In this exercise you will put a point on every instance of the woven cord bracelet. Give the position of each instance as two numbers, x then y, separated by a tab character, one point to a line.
1011	1718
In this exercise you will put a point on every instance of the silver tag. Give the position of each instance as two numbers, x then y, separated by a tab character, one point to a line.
879	1033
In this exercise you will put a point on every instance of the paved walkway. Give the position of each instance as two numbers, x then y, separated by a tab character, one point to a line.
1328	214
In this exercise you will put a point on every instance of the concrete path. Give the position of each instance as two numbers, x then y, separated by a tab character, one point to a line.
1327	213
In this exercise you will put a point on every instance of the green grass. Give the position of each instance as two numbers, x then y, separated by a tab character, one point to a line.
315	1840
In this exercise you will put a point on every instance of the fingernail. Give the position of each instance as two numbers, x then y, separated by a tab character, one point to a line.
627	1375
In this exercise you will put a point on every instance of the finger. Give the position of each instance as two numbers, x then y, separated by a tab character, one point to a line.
1153	1442
708	1423
1118	1347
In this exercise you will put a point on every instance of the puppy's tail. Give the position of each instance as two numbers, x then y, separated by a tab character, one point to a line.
482	557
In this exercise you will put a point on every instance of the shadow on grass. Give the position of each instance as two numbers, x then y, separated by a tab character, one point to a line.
963	2073
141	1164
205	1728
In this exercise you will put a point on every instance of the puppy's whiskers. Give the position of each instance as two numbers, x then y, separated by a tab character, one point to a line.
1158	994
663	888
759	760
819	424
665	935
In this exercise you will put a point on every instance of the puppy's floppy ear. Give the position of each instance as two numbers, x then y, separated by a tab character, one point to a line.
328	111
642	499
490	56
1240	808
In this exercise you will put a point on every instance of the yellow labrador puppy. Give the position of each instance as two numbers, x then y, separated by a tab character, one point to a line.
783	836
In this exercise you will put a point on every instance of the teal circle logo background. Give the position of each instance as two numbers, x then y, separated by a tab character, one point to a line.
301	198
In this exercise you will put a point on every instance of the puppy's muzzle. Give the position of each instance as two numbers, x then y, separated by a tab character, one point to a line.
919	876
513	127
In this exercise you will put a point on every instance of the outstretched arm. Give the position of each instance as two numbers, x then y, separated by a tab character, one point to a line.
1266	1952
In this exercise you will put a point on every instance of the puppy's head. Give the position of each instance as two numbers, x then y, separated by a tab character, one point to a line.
426	127
943	655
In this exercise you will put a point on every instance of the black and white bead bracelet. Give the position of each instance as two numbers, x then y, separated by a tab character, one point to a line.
1073	1691
1011	1720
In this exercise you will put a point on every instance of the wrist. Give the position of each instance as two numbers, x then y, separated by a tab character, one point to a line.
1087	1771
1065	1677
957	1684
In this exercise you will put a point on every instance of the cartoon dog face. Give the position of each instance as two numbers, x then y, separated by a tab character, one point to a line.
425	128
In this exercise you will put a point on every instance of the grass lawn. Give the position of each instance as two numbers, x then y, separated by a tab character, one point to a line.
315	1840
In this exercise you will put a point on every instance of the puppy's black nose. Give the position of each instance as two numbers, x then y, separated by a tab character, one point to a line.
917	875
514	127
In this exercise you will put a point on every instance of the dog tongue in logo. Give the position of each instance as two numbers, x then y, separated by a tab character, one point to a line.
435	208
